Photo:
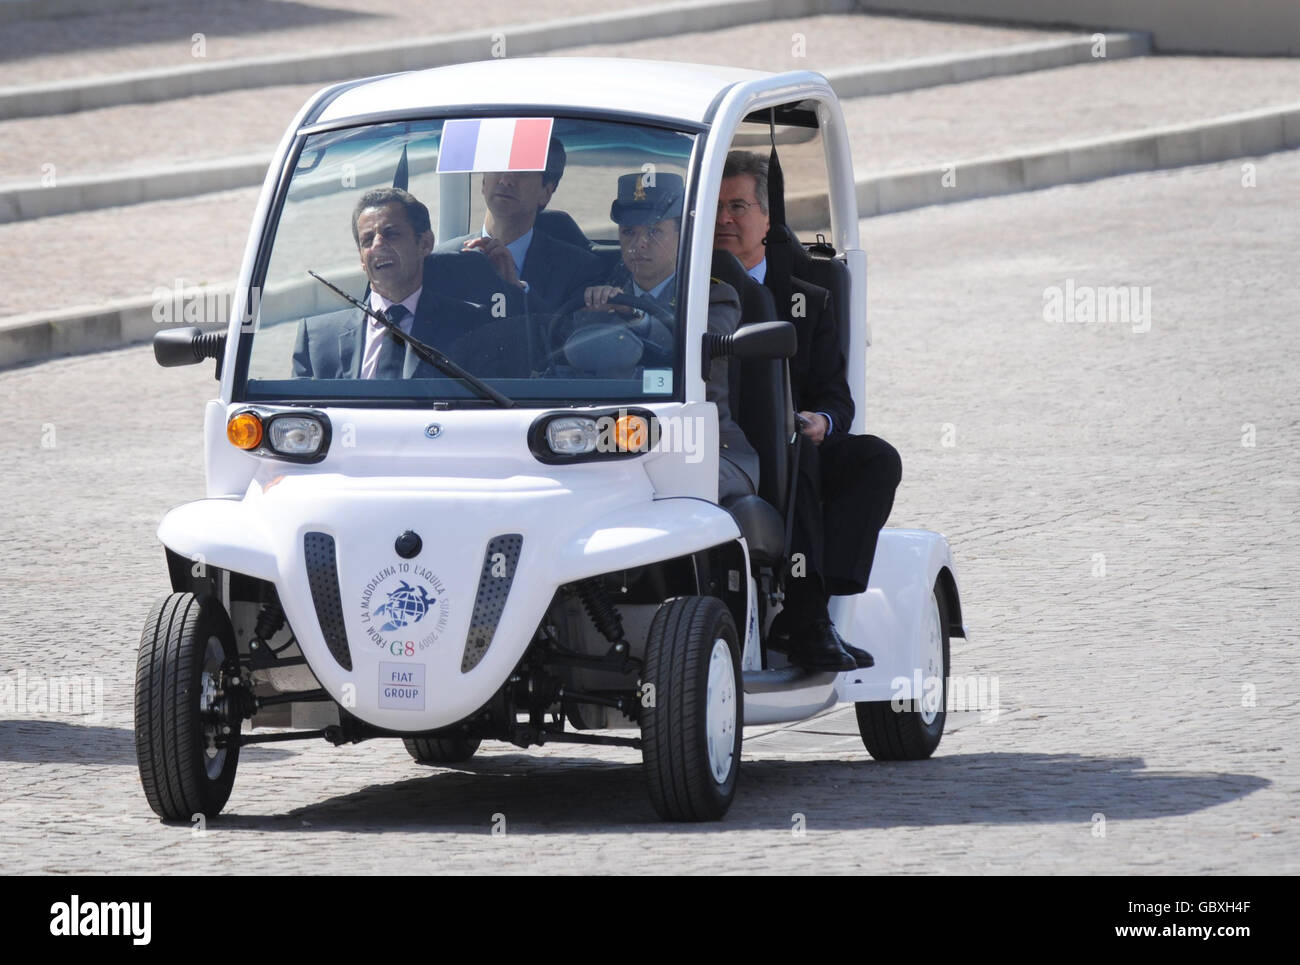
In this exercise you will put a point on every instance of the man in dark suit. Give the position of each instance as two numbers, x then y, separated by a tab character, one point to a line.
846	483
393	235
547	270
649	218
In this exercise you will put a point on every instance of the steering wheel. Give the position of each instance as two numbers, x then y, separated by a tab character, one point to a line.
555	335
642	302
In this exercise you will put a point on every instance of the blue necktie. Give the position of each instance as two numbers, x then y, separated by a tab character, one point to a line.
392	354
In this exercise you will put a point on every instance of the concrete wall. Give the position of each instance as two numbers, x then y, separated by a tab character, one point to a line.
1257	27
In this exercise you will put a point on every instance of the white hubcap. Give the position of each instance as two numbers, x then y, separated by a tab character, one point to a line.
720	716
931	696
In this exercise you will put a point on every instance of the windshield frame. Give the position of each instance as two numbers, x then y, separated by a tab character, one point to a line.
242	326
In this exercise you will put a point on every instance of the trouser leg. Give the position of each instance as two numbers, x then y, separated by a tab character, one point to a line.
860	475
805	596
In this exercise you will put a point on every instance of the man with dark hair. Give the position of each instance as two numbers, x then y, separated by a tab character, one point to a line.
547	269
846	483
417	214
393	235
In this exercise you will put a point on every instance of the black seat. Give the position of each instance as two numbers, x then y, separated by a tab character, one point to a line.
821	268
761	525
561	226
468	277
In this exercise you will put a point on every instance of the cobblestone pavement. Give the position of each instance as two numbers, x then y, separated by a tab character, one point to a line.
1122	501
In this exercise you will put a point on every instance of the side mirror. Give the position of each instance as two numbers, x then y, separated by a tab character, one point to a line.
188	346
761	340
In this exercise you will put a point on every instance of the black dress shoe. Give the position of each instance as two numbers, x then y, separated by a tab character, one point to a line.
860	656
818	648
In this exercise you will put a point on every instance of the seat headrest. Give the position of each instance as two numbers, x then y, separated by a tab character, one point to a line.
561	226
465	275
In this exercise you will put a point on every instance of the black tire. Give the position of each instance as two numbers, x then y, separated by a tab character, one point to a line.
183	773
441	750
675	745
905	735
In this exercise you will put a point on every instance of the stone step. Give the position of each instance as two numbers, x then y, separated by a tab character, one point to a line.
65	151
414	49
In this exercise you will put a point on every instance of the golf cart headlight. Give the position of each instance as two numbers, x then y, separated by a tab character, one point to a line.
296	435
571	436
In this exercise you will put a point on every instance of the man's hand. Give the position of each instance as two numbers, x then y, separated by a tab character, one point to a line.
597	297
815	427
499	255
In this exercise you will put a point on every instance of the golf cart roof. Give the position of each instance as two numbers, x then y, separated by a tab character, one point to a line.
673	91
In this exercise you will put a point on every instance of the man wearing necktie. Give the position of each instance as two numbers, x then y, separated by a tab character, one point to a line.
846	482
393	234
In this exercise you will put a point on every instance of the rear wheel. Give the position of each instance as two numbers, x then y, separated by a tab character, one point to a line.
186	721
913	733
691	729
441	750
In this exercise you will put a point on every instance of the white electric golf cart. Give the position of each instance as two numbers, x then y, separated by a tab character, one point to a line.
512	541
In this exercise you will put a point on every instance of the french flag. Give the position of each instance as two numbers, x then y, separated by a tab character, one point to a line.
495	144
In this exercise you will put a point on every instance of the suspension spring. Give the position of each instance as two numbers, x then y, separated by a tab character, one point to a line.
595	600
269	621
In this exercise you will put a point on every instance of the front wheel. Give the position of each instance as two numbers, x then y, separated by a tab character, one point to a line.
186	713
894	734
693	710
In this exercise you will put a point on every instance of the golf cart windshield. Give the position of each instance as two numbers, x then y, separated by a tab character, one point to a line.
509	264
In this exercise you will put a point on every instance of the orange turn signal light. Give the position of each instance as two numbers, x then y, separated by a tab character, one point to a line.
244	431
631	433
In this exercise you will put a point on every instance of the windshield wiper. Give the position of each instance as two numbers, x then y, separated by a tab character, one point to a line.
426	352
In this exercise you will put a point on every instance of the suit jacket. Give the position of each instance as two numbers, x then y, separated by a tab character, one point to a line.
331	346
555	270
819	371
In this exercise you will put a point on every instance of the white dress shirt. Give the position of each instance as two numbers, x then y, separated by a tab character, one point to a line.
518	251
375	331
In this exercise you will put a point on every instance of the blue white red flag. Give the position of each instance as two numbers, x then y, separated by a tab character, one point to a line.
494	144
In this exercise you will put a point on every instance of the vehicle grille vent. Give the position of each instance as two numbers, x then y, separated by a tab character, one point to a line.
494	581
323	578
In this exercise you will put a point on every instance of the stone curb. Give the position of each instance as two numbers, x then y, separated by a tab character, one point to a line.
925	72
27	338
39	100
22	201
25	201
91	328
12	11
1246	134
